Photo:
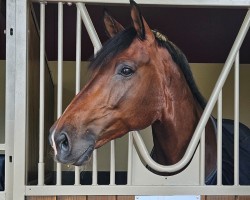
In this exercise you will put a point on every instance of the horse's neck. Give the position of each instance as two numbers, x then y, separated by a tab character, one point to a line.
173	132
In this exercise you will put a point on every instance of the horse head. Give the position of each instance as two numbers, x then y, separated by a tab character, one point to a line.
124	93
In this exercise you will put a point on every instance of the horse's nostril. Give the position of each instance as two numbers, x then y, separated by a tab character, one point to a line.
64	144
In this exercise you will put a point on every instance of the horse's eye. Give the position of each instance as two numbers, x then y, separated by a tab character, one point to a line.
126	71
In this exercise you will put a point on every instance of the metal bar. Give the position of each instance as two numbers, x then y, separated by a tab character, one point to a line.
205	115
130	158
97	45
112	162
78	73
219	140
158	190
236	120
42	94
78	51
192	3
77	175
20	127
94	169
202	158
94	175
10	96
89	26
60	79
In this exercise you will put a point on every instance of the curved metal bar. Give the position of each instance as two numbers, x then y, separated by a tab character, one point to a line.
89	26
206	114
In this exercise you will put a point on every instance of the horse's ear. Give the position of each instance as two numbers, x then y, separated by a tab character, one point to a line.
111	25
140	25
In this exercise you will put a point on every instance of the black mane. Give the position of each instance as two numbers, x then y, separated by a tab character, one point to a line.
112	47
122	41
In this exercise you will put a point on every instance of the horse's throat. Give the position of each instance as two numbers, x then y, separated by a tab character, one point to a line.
171	139
170	143
173	132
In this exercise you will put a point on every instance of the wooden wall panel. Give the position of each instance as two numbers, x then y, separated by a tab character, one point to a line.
101	198
42	198
243	197
125	197
72	198
219	197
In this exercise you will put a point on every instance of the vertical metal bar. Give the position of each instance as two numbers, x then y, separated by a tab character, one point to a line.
130	158
202	158
236	120
41	102
78	50
219	140
112	162
97	45
60	81
20	129
94	169
78	74
10	96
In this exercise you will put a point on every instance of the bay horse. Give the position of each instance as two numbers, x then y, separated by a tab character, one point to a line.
139	78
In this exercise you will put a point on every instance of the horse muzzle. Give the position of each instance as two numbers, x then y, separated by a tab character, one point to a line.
75	149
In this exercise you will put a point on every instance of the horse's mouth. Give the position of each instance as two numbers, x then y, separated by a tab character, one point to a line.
84	158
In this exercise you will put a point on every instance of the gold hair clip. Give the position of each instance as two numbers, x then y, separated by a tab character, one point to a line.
160	36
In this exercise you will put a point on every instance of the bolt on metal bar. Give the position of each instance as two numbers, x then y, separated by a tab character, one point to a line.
78	73
60	79
41	96
219	139
206	114
236	119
